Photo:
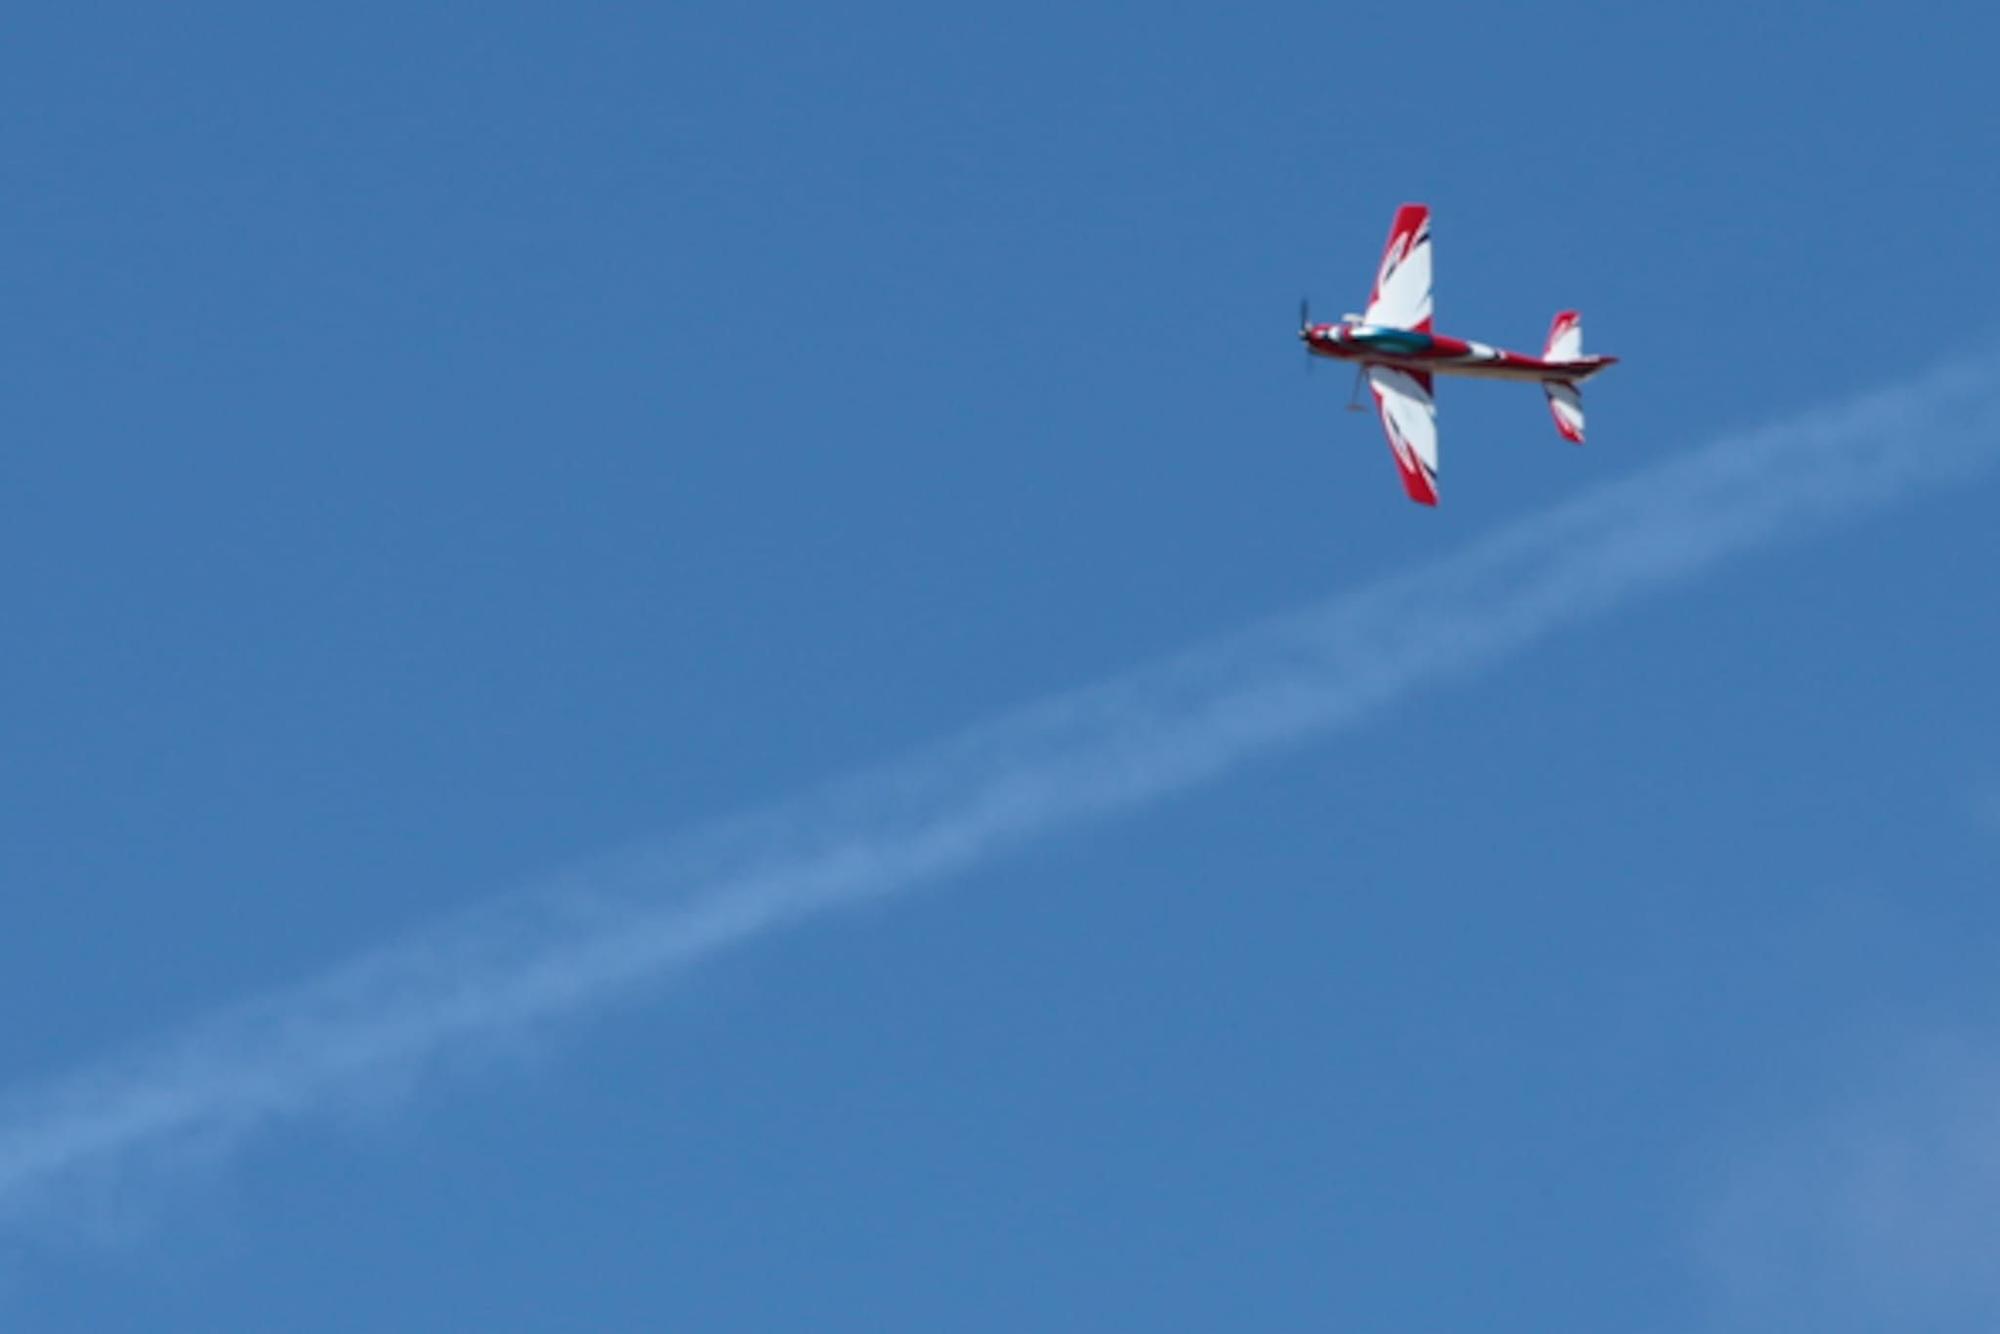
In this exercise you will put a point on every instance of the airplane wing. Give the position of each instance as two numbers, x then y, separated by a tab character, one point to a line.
1409	419
1402	296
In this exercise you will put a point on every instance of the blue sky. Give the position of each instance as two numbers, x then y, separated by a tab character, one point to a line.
450	442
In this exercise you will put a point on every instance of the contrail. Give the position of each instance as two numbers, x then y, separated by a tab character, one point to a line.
606	929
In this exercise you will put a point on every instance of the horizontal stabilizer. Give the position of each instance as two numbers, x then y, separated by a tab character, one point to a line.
1566	406
1565	337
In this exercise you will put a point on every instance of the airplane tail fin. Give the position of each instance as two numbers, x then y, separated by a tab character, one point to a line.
1565	399
1565	337
1566	406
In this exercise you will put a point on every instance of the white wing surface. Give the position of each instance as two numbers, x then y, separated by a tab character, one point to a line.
1409	419
1402	296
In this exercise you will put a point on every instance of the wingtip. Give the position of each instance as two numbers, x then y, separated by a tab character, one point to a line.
1420	488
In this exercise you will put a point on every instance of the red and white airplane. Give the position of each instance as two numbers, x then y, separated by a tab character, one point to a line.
1394	347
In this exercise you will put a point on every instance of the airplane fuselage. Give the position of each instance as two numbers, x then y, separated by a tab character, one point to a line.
1438	354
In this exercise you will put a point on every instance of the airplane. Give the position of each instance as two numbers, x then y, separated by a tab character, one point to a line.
1393	347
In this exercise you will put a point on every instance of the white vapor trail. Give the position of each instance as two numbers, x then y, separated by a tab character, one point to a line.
607	928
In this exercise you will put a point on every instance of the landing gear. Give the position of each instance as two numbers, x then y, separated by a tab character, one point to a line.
1354	403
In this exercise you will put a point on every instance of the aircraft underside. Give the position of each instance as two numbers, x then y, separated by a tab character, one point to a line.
1395	350
1438	354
